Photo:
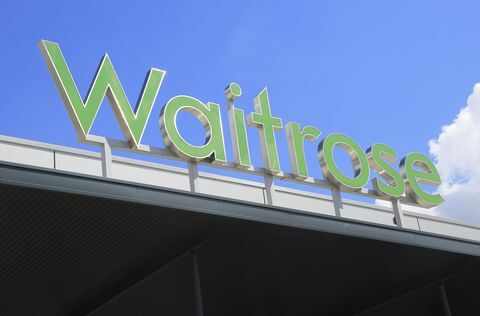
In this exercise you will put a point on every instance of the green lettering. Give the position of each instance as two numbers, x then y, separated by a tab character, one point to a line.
330	169
267	126
238	130
377	154
208	114
295	138
428	175
82	113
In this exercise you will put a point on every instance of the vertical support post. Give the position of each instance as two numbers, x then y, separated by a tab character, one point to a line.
197	289
337	201
398	213
193	176
446	306
106	152
269	189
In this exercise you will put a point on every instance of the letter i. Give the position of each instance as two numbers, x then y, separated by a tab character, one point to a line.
238	131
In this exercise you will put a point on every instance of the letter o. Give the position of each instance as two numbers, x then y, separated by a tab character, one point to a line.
330	170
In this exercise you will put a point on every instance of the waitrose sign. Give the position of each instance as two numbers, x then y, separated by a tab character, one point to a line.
389	182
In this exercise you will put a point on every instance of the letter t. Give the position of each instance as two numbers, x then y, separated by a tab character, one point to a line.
267	126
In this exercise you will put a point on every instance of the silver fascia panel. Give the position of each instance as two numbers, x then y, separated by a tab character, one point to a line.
36	154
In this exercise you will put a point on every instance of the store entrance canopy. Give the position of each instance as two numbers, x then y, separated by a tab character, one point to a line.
76	244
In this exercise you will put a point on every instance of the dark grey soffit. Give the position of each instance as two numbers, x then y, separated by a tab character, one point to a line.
47	179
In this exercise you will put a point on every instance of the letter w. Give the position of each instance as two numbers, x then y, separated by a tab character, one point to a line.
82	113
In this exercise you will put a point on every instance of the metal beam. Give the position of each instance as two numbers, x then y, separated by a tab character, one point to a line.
197	288
443	293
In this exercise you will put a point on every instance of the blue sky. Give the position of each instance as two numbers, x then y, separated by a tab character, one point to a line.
379	71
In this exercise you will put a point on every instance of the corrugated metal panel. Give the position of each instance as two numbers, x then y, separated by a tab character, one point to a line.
168	291
60	251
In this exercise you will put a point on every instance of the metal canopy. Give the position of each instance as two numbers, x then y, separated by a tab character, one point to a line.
79	245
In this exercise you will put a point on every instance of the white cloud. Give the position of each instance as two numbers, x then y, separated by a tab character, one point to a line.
456	152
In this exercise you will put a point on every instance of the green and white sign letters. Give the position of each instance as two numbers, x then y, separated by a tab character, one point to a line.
389	182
